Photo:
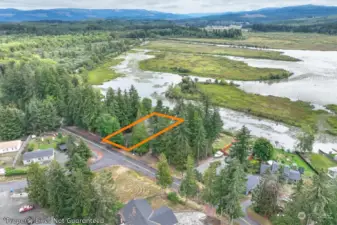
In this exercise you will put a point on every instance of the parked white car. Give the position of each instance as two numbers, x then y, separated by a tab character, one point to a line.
218	154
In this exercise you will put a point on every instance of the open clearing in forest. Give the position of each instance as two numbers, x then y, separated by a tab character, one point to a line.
130	185
103	73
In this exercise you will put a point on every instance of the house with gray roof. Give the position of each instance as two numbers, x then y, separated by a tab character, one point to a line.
252	182
38	156
139	212
288	174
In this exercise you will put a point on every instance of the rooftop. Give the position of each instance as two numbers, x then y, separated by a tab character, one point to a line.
10	144
38	154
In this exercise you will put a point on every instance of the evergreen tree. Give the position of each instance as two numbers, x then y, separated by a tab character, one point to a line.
305	142
58	186
134	102
209	178
146	106
81	193
37	184
164	177
110	102
105	205
139	133
265	195
82	150
198	136
189	185
228	188
106	124
240	149
12	124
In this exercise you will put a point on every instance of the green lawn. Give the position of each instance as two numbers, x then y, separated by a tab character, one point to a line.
300	114
279	40
319	162
288	158
222	141
37	143
209	66
103	72
176	46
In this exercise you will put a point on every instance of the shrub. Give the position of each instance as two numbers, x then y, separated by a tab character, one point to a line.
15	172
174	198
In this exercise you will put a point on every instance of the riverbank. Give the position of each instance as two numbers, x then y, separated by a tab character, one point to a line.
277	40
181	47
295	113
103	73
209	66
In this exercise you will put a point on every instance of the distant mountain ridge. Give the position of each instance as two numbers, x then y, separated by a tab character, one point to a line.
15	15
265	15
268	15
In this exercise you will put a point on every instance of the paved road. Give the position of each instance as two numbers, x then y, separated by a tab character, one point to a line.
111	158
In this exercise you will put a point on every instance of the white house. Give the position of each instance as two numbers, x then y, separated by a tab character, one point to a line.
10	146
39	156
332	172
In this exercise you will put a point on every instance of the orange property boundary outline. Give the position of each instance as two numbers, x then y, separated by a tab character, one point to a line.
178	121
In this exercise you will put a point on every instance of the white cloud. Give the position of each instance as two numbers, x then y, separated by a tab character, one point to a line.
175	6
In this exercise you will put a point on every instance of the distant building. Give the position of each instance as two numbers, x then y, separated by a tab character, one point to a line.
10	146
39	156
332	172
139	212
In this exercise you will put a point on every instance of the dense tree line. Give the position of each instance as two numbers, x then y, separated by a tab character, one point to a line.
129	29
326	28
74	191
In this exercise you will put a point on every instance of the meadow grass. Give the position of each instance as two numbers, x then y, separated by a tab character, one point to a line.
279	40
332	121
209	66
320	162
298	113
333	108
104	72
176	46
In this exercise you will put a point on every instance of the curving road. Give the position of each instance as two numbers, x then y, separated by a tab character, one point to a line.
111	158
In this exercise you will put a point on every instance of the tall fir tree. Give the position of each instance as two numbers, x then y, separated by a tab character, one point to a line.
240	149
37	184
188	186
164	178
12	123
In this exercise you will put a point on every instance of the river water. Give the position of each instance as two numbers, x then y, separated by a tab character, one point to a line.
313	81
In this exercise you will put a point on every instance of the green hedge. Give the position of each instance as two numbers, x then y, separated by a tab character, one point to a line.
15	172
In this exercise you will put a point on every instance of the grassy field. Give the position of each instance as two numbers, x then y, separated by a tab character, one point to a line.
319	162
130	185
282	40
175	46
279	109
288	158
209	66
332	121
103	73
333	108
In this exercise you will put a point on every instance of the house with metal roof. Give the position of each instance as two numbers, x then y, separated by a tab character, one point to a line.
38	156
139	212
252	182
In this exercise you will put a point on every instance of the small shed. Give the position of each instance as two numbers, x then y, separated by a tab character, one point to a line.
63	147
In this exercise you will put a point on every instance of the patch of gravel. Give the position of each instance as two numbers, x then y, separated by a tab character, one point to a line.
190	218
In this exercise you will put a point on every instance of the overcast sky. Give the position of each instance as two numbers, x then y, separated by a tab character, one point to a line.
174	6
